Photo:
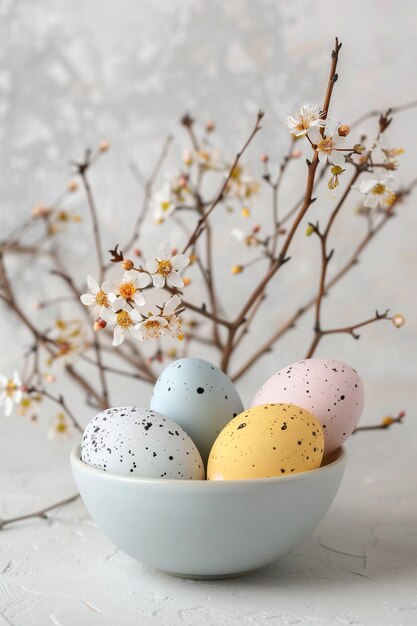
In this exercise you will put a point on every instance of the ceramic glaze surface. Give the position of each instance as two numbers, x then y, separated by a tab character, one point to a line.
141	442
331	390
199	397
207	528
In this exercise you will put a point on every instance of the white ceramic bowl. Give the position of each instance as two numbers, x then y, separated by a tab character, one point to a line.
208	529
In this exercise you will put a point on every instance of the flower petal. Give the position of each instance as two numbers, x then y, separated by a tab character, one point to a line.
367	185
8	406
118	303
158	280
164	251
92	284
119	335
337	158
135	316
108	286
152	266
143	279
315	134
322	156
87	299
175	279
139	299
108	316
16	379
171	305
180	261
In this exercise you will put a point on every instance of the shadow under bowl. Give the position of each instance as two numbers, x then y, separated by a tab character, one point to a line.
208	529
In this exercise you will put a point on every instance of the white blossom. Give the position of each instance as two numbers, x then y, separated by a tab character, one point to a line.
10	392
378	193
327	146
98	298
123	322
309	116
165	268
128	289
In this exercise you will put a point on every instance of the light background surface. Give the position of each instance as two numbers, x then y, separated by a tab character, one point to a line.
72	75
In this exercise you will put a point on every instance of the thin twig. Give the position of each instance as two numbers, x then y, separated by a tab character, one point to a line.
42	513
201	222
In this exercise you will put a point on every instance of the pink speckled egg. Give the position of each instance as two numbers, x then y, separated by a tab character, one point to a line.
331	390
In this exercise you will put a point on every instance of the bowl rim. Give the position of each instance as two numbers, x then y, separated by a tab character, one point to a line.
339	455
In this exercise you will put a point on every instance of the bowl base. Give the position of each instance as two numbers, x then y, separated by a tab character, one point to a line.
208	576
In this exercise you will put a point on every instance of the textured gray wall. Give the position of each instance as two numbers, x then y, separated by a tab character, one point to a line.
74	73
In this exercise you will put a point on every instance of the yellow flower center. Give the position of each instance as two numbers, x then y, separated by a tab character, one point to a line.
379	189
165	204
127	290
164	268
61	427
101	299
123	319
382	190
326	145
10	388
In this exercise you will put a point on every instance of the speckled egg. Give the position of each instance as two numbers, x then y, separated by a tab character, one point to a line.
331	390
267	440
199	397
140	442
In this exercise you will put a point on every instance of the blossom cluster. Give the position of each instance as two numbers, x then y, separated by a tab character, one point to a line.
330	146
116	304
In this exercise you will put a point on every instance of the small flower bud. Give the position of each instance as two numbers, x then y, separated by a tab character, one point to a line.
187	281
391	165
187	157
309	230
137	252
295	154
72	186
237	269
343	130
256	229
358	148
104	146
40	210
49	378
210	126
264	158
398	320
99	324
387	421
128	264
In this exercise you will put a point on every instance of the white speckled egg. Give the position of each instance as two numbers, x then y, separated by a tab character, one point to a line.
140	442
331	390
199	397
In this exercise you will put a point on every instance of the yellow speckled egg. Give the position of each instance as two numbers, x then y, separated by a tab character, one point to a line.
267	440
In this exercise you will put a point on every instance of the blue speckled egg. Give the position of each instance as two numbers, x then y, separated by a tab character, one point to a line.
199	397
140	442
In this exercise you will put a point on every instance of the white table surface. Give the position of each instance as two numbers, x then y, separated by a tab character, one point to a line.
359	567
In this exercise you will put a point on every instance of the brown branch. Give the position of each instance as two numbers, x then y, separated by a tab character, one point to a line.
201	222
386	423
42	513
345	329
147	194
290	324
308	200
61	402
